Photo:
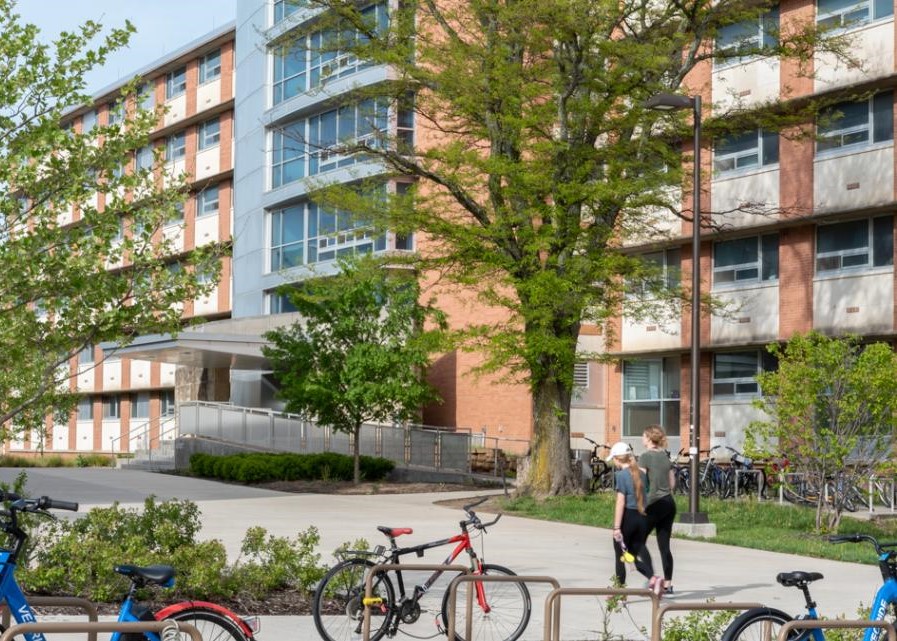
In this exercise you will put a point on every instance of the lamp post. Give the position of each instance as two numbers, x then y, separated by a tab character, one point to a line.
674	102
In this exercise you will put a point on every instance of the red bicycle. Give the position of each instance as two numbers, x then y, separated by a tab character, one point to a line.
501	611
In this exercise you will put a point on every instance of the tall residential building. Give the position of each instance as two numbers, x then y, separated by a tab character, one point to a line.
803	228
126	403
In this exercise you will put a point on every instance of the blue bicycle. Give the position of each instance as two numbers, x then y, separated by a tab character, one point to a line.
764	623
214	622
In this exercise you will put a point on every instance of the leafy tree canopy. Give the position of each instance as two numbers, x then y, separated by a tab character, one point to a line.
832	408
360	349
80	241
534	159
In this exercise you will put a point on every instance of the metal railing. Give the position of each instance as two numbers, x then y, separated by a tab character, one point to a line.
267	429
141	436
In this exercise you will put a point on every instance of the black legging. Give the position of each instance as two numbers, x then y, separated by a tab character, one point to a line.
661	515
634	529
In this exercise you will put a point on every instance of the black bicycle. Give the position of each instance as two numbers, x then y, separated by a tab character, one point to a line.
501	610
602	471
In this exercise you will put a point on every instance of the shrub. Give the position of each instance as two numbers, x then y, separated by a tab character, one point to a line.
258	467
94	460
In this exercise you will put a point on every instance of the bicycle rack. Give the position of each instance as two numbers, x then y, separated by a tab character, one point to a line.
552	629
386	567
807	624
58	601
659	613
92	627
471	578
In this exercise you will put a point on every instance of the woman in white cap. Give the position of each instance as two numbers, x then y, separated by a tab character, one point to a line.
630	522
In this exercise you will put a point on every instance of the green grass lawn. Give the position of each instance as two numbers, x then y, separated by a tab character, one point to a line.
762	525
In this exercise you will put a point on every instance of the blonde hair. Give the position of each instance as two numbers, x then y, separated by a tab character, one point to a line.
629	461
656	435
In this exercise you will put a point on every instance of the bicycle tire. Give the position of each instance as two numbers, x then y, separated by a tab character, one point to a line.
510	609
213	626
337	607
761	624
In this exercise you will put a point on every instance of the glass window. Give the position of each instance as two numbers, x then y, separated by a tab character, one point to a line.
283	8
111	407
88	121
855	245
176	147
176	83
279	303
209	133
662	271
287	237
331	51
166	402
288	154
85	409
85	356
290	67
838	14
650	395
210	66
744	261
848	124
735	373
747	38
147	95
140	405
114	112
145	157
748	150
207	201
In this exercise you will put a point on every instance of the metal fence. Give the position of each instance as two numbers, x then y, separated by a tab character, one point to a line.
404	445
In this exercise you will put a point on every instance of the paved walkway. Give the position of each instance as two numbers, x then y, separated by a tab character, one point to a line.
578	556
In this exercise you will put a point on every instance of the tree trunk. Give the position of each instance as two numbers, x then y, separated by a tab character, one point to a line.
356	455
550	472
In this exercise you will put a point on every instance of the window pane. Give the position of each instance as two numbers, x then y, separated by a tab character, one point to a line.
737	365
840	236
883	116
770	257
883	8
734	143
844	115
638	416
770	147
883	241
735	252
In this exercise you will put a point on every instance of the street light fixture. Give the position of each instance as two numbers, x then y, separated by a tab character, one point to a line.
675	102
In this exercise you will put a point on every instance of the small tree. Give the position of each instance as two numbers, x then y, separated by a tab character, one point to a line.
359	352
833	411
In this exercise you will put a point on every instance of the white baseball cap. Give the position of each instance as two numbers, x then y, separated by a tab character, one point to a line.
619	449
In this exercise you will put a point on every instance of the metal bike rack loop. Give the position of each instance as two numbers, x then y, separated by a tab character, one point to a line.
97	626
386	567
812	624
552	631
660	612
485	578
88	607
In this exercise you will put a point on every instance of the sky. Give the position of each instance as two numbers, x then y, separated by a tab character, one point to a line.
162	26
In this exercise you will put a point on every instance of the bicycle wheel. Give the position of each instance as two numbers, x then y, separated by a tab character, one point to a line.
509	609
337	608
761	624
212	625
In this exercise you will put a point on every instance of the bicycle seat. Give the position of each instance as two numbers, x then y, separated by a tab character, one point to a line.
393	532
161	574
791	579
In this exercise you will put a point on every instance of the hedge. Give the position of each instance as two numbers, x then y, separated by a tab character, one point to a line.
261	467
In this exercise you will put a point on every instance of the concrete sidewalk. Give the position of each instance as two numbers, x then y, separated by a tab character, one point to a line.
578	556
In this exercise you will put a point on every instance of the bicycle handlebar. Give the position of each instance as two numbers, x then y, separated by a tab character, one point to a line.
33	505
467	508
858	538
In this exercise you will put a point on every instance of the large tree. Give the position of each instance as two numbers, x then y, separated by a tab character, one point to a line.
359	352
84	261
535	159
832	408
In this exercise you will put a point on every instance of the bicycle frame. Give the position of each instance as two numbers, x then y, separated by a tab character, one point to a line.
463	543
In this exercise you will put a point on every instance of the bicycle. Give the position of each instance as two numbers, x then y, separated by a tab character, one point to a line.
602	472
764	623
714	478
214	622
751	480
503	609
